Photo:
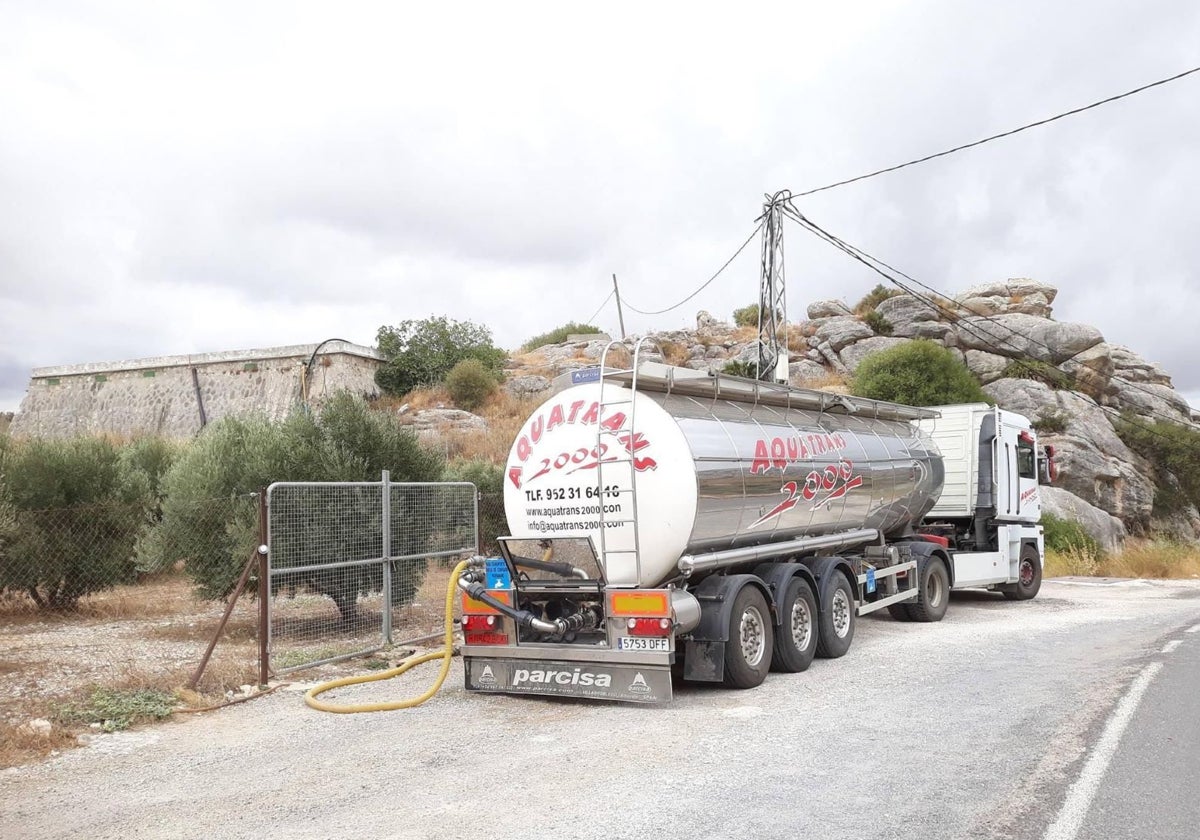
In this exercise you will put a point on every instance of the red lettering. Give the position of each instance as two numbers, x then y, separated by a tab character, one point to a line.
591	415
777	453
811	485
793	449
514	475
760	464
829	477
537	427
575	406
524	450
556	418
611	424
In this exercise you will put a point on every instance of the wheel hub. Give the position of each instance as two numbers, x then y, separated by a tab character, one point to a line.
841	613
801	625
752	634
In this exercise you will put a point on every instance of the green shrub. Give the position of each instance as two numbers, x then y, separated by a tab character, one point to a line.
1050	422
470	383
736	367
917	373
70	515
878	324
747	316
873	298
559	335
210	520
1039	371
422	353
1067	536
1174	450
488	478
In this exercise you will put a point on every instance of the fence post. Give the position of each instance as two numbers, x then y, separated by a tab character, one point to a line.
386	489
264	592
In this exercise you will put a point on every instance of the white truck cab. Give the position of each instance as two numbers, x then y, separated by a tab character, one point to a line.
990	506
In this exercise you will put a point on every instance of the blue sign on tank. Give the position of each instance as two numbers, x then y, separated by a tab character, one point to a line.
592	374
497	574
870	579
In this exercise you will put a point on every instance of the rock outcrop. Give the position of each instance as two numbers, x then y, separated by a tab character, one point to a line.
1063	376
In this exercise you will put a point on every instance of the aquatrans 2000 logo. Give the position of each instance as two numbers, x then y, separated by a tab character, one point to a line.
577	413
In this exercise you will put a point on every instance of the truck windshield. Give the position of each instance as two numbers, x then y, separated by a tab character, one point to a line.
570	558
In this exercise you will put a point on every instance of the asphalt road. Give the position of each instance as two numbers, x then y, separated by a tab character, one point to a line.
990	724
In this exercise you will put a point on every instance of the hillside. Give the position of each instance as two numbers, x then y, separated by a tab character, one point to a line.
1080	390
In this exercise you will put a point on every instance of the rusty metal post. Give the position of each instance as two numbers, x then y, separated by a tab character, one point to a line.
264	592
233	599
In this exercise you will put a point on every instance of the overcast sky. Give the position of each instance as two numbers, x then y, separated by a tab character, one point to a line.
198	177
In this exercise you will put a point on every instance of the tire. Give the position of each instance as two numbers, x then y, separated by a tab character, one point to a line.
751	640
1029	576
933	592
796	636
836	628
900	612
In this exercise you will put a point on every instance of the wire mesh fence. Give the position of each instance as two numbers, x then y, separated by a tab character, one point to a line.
101	596
348	562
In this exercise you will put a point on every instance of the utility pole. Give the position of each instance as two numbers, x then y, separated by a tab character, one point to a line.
620	315
772	298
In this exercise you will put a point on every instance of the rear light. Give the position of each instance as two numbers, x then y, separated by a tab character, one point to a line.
482	623
649	626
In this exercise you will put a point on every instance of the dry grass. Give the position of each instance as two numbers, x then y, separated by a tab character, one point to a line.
19	744
505	414
156	596
831	381
1153	559
674	353
743	334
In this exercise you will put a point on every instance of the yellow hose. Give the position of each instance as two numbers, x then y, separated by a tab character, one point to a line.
447	651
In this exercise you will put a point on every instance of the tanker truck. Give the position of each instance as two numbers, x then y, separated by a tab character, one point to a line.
667	522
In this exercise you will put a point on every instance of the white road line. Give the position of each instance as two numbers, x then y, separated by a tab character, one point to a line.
1195	629
1171	645
1079	798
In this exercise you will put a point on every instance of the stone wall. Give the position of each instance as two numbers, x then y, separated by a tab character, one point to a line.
159	395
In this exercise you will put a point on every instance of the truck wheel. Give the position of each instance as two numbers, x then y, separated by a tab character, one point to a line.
836	628
933	592
796	641
749	649
1029	576
900	612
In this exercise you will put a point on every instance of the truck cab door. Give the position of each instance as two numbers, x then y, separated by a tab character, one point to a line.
1015	460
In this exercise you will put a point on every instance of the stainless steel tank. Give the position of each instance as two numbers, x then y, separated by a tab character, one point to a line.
661	473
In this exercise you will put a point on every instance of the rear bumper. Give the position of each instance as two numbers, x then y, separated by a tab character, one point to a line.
591	674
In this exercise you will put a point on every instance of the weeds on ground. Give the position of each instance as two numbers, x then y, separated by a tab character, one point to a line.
1151	559
117	709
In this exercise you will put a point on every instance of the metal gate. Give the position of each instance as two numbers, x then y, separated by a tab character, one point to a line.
351	564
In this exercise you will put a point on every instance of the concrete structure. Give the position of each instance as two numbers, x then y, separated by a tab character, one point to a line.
176	396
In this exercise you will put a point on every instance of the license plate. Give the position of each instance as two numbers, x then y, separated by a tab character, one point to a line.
639	643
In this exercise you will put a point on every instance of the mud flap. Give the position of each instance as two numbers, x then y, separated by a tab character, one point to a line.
594	681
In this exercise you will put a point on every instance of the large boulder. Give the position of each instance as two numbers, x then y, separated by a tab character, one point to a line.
1131	367
1017	295
1160	402
1093	462
445	419
806	371
901	310
987	367
1091	370
828	309
851	357
526	386
1105	528
1027	337
840	332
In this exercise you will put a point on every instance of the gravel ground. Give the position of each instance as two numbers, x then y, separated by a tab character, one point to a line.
967	728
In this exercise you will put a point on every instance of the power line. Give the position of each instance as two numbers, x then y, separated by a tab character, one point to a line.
985	338
601	306
1008	133
704	285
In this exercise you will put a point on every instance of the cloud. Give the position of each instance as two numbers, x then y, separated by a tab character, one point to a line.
245	175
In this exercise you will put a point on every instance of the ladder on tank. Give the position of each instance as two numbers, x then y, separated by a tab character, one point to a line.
625	461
